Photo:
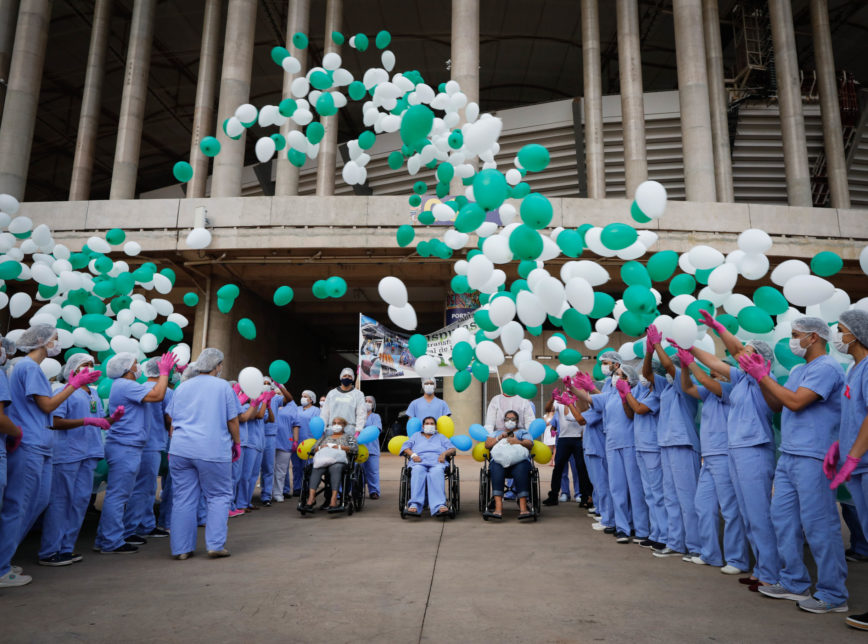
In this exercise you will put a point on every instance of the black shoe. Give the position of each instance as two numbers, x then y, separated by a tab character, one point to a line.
336	509
853	556
658	545
74	556
646	543
551	499
859	622
609	530
158	533
125	549
136	540
622	537
266	504
57	559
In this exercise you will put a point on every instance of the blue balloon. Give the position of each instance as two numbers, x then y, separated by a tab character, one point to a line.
478	432
537	427
462	442
368	434
316	426
413	425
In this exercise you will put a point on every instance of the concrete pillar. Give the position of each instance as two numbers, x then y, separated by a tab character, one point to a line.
693	101
132	116
91	100
234	91
790	103
593	100
465	47
22	95
286	182
206	89
632	101
8	13
326	161
836	164
718	101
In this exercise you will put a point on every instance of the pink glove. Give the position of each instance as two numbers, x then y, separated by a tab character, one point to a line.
568	399
102	423
623	388
685	357
653	338
119	413
236	388
830	463
180	368
755	365
710	322
584	381
166	363
243	398
236	451
12	443
556	395
83	377
845	472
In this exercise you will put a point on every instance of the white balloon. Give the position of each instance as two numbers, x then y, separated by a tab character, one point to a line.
651	199
50	367
754	266
291	65
98	245
678	304
715	298
863	260
178	319
705	257
556	343
550	291
65	338
685	265
511	336
331	61
596	341
461	334
832	308
788	269
143	311
530	309
567	371
683	331
501	310
392	291
43	274
594	242
234	129
605	326
138	329
125	316
754	240
486	229
633	251
19	304
580	294
403	316
804	290
471	112
71	315
479	271
735	303
723	278
245	113
251	381
43	318
454	239
20	225
131	248
162	307
8	203
532	371
198	238
663	323
481	135
626	351
496	248
182	352
302	117
265	148
521	356
387	58
489	353
162	284
148	343
425	366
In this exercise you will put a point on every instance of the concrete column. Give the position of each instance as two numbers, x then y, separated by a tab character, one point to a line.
8	13
693	101
286	182
836	164
593	100
328	150
234	91
22	94
206	89
91	100
465	47
719	102
790	103
632	101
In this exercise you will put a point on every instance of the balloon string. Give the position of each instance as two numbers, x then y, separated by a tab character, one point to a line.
499	381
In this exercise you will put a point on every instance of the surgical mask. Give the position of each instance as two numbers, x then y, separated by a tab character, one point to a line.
429	429
53	349
346	382
369	406
606	369
839	344
322	402
509	424
305	401
796	347
643	381
336	429
428	389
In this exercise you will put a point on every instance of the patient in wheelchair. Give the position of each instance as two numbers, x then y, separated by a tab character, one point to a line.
428	451
510	458
330	454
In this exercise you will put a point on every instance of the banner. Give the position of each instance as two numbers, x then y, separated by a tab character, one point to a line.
384	354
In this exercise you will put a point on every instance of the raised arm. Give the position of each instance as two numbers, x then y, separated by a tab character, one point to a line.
635	406
653	337
48	404
732	343
710	360
688	366
665	360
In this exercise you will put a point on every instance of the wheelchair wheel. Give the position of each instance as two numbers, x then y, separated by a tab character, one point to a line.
534	493
305	488
484	490
358	488
403	490
456	492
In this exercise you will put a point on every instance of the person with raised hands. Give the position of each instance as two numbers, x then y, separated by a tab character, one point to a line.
10	433
751	444
253	448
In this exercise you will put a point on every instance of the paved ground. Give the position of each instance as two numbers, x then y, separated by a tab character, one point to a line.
374	577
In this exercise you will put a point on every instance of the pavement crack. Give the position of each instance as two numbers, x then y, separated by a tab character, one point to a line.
431	582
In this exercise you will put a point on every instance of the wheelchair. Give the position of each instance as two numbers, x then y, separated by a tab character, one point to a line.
351	496
486	498
453	489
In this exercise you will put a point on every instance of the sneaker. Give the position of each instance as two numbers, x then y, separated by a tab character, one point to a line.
278	499
597	526
689	557
579	501
563	498
859	622
814	605
645	543
731	570
699	561
236	513
76	557
125	549
18	570
666	552
776	591
158	533
12	579
592	511
609	530
136	540
621	537
853	556
266	504
184	556
217	554
57	559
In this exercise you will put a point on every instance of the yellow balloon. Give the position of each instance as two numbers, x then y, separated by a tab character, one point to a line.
541	452
480	452
446	426
363	454
305	447
396	443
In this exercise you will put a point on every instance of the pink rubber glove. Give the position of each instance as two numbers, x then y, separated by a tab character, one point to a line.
237	389
568	399
102	423
243	398
180	368
584	381
830	463
845	472
755	365
83	377
119	413
653	338
12	442
236	451
556	395
166	363
623	388
685	357
710	322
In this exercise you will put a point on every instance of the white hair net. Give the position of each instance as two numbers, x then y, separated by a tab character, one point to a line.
189	372
310	394
762	348
373	400
35	337
152	368
347	371
631	373
810	324
9	346
74	362
857	322
611	356
208	360
119	364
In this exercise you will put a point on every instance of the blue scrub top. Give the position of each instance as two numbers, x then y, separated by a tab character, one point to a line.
375	421
430	449
750	418
74	445
158	437
27	380
645	425
854	408
132	429
619	427
302	420
594	439
712	425
813	429
676	424
200	409
275	405
285	421
6	399
421	408
256	433
243	428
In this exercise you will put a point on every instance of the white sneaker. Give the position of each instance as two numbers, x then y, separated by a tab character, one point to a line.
11	579
278	499
578	499
563	498
18	570
699	561
731	570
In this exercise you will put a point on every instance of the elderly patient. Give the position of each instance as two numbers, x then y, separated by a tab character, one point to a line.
510	457
427	451
330	453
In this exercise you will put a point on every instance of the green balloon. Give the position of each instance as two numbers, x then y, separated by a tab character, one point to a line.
420	187
702	275
662	265
336	286
535	330
418	345
427	217
405	235
786	357
755	320
416	124
296	157
315	132
143	275
536	211
118	304
483	320
569	356
770	300
103	264
96	323
279	371
639	299
78	297
47	292
78	261
526	390
462	355
525	267
224	305
456	139
525	242
551	376
631	323
104	388
367	139
576	325
480	371
191	298
729	321
105	288
570	242
125	283
459	284
634	274
357	90
603	305
279	141
283	295
694	308
520	191
637	214
210	146
533	157
319	290
278	54
115	236
169	274
618	236
9	270
325	104
383	39
361	42
299	40
445	172
228	291
639	348
320	80
157	331
471	217
183	171
490	188
338	38
682	284
247	329
826	264
461	380
509	386
395	160
172	331
286	107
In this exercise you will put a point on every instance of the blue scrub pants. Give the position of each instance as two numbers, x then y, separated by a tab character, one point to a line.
599	472
752	470
296	476
123	464
71	484
858	544
804	507
252	460
715	490
192	479
237	469
518	472
651	473
432	477
628	497
372	470
24	500
680	471
2	475
139	516
164	520
266	470
565	479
